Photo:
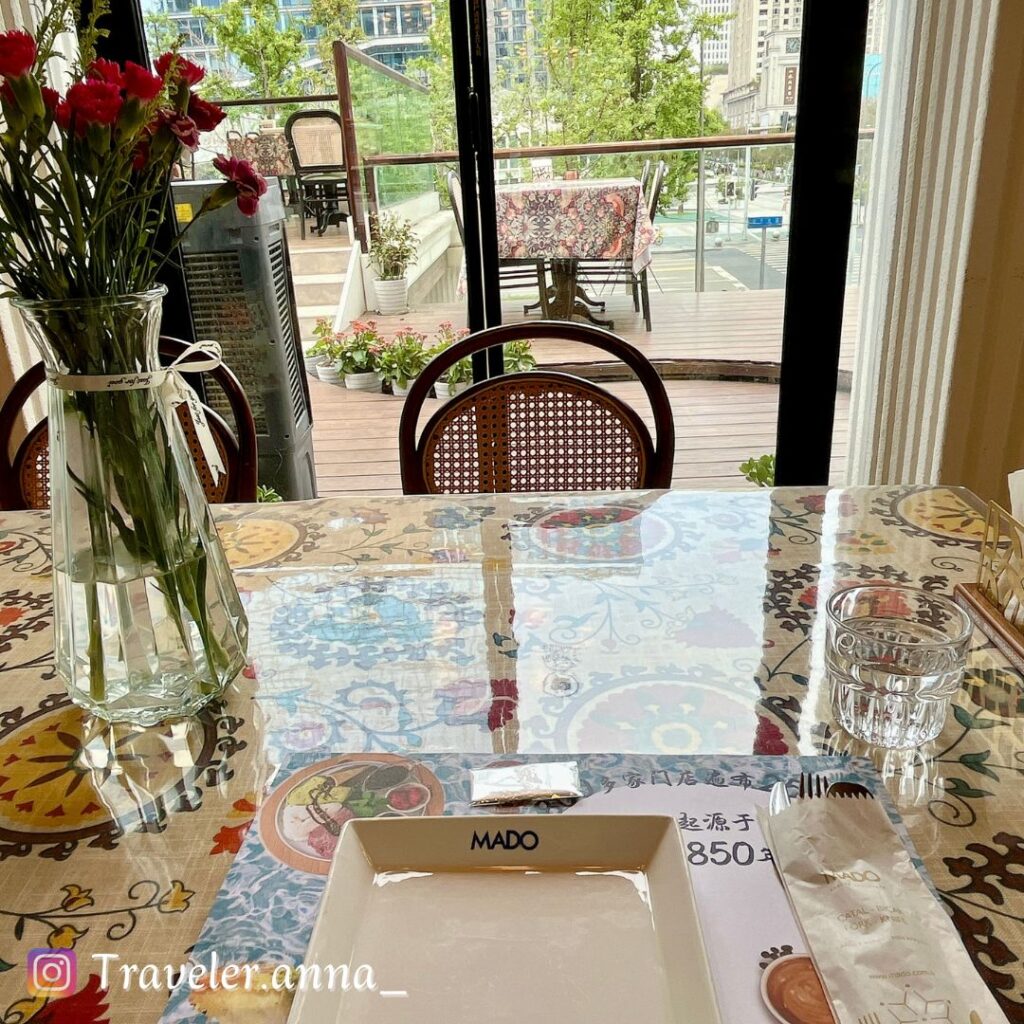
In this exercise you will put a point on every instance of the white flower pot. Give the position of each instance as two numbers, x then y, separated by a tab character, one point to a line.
362	381
400	392
392	296
312	362
328	373
451	390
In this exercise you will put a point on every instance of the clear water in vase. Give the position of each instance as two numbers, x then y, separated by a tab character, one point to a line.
148	624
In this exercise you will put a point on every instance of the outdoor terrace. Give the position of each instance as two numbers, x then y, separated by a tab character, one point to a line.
719	422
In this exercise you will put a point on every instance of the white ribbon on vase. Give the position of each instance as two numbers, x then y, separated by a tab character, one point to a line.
199	357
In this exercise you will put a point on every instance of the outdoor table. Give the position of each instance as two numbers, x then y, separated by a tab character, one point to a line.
636	622
568	221
267	150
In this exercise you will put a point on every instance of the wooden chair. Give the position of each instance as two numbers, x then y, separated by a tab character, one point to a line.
535	431
316	143
25	478
596	272
511	273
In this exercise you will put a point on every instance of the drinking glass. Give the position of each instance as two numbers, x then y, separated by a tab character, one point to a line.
895	657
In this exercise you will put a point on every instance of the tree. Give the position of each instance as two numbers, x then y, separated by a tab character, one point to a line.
276	60
336	20
249	37
436	72
161	32
592	72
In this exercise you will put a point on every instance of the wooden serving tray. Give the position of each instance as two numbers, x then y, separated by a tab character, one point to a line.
991	621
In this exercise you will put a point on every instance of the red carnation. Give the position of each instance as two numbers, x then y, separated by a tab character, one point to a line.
103	70
182	127
206	115
62	115
183	69
249	185
93	102
51	98
17	53
140	83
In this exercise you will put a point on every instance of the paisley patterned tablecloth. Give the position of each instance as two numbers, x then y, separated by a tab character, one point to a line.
267	151
604	219
639	623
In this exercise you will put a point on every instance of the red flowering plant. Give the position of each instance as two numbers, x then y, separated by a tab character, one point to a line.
88	173
84	190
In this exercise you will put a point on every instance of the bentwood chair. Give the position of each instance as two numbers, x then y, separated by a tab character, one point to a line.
595	272
315	141
535	431
25	477
511	273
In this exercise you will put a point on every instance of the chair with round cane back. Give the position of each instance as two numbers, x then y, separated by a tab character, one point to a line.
535	431
25	476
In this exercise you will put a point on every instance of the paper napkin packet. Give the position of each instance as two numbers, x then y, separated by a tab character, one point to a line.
879	938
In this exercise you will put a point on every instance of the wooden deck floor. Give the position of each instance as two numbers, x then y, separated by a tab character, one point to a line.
734	326
719	423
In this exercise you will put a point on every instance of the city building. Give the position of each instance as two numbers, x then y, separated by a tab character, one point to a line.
716	50
764	60
393	33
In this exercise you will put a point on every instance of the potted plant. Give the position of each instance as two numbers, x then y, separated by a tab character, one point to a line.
458	377
402	360
392	250
317	353
519	357
330	347
358	356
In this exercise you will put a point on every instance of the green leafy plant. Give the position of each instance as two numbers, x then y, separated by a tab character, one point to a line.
760	470
519	357
325	336
460	372
403	358
360	351
267	495
393	247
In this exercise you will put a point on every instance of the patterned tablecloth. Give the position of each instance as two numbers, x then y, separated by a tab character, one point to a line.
638	623
594	220
267	151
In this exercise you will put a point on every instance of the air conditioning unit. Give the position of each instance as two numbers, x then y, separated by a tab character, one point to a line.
240	289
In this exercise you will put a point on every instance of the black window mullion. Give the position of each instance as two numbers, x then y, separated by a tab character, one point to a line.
476	165
832	46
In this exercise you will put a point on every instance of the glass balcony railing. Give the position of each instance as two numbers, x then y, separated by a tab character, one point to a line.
391	115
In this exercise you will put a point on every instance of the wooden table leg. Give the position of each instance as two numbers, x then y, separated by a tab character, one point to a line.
566	302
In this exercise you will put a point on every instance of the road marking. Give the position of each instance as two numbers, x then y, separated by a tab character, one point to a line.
740	286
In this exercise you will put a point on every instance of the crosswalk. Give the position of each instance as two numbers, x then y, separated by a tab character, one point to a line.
776	256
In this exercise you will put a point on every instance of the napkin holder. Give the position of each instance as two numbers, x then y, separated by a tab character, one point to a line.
996	602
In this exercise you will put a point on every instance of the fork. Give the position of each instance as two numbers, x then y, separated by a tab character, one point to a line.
812	785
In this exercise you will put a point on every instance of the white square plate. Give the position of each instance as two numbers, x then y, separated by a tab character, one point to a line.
519	919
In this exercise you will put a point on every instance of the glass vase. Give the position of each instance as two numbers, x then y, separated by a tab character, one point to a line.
148	624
